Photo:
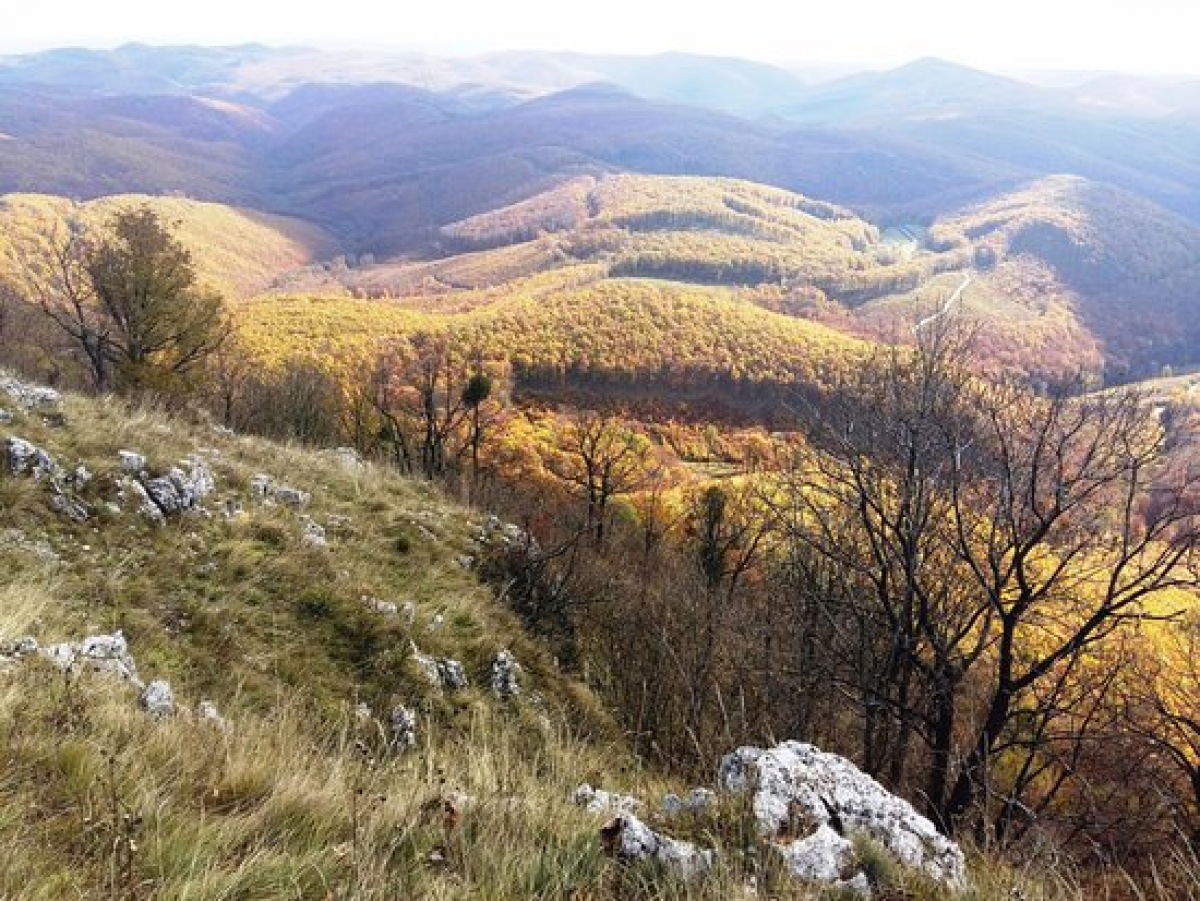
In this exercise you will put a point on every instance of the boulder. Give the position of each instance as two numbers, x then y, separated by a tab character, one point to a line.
626	838
798	791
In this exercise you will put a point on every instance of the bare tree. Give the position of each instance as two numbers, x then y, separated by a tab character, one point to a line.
600	459
973	547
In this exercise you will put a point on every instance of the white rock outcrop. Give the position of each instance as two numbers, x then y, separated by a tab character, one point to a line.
804	798
183	488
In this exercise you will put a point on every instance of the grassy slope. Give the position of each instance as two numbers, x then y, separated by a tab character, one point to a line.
293	799
238	251
245	613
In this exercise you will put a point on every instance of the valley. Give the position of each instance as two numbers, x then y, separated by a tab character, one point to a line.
470	440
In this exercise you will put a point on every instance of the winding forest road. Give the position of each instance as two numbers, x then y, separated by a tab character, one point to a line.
948	306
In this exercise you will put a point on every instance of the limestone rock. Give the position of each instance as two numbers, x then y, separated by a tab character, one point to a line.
312	533
291	497
404	728
183	488
27	459
506	673
386	608
157	699
697	800
132	462
452	675
107	654
442	672
28	396
207	712
626	838
795	782
597	800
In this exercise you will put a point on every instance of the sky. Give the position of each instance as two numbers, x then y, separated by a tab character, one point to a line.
1146	36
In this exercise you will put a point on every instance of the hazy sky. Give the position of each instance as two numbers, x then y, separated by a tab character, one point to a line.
1133	35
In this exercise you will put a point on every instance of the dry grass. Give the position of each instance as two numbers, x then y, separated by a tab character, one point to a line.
298	798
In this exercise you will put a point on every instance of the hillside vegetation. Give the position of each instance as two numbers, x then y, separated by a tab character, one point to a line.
240	252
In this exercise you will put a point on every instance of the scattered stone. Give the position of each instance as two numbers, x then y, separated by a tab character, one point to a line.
451	674
795	782
5	416
404	728
181	489
157	699
506	674
17	540
291	497
28	396
346	457
495	532
267	491
626	838
26	459
436	622
697	800
312	532
408	612
597	800
387	608
145	504
69	506
207	711
108	654
131	462
16	648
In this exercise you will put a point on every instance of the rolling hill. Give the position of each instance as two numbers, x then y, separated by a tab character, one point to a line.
240	252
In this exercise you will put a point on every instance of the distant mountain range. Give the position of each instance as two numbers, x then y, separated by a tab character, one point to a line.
1088	187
